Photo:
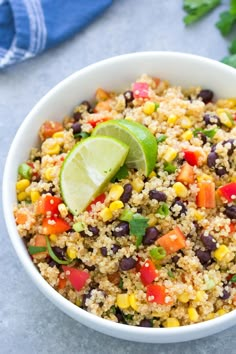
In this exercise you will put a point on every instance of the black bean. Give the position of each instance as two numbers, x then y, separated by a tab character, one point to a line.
151	235
103	251
206	96
125	197
202	137
59	252
52	263
145	323
122	229
120	316
175	259
221	171
93	229
211	119
86	105
127	263
85	297
128	95
209	242
203	256
231	143
140	210
230	211
77	116
225	294
76	127
211	159
179	213
196	226
115	248
90	268
157	195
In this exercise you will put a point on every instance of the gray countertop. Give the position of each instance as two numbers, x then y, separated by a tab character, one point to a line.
29	323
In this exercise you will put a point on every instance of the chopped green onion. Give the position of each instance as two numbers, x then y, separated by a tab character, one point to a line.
128	316
121	283
157	253
113	309
78	226
121	174
209	133
170	274
163	210
157	105
161	138
82	135
53	256
36	249
233	279
127	215
169	167
25	171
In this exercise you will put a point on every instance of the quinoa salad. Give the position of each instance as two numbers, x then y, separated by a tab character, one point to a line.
154	248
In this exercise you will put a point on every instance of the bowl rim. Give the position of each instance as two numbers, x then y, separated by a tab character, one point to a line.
95	322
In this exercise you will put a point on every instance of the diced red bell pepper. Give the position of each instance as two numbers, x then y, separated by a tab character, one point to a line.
158	294
186	174
228	191
94	122
76	277
148	272
101	198
172	241
55	225
232	227
140	90
192	157
48	203
206	195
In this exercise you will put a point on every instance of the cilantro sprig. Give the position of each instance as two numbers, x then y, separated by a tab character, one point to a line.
138	225
196	9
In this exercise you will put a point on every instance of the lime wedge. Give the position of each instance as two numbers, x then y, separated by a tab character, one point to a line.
87	169
143	145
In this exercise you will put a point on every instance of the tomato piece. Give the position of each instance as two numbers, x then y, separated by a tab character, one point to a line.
48	203
148	272
206	195
48	128
140	90
172	241
76	277
192	157
101	198
228	191
186	174
61	283
158	294
55	225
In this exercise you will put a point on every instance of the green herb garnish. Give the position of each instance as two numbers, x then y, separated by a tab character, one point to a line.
157	105
82	135
121	284
128	317
161	138
163	210
126	215
196	9
169	167
170	274
138	226
36	249
121	174
53	256
233	279
157	253
209	133
230	60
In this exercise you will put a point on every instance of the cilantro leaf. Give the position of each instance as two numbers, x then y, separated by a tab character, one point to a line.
209	133
121	174
233	279
233	7
232	47
138	226
230	60
226	22
82	135
198	8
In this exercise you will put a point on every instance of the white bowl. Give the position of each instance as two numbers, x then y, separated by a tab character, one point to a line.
115	74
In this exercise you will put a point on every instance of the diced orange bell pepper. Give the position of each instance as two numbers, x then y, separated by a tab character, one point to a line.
55	225
102	106
186	174
148	272
158	294
101	95
48	128
21	217
172	241
206	195
228	191
40	241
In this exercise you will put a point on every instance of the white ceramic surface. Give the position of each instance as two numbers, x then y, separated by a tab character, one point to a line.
115	74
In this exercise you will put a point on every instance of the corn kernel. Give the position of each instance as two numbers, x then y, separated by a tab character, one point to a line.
198	215
220	312
58	135
193	314
34	195
78	301
118	204
115	192
137	184
53	237
123	301
152	220
152	174
160	314
49	174
180	189
71	252
53	149
171	322
62	210
188	135
210	316
149	107
204	177
170	154
106	214
200	295
225	120
184	297
229	103
22	196
133	302
186	123
221	252
22	185
172	119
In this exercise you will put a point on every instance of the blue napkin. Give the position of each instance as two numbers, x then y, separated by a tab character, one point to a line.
28	27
